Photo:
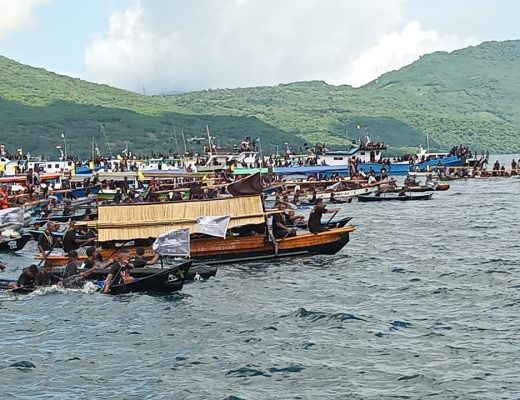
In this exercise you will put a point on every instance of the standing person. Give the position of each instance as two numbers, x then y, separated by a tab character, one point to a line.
120	271
315	225
29	182
70	240
45	277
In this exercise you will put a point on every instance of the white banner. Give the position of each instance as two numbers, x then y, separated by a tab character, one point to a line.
213	226
11	216
173	243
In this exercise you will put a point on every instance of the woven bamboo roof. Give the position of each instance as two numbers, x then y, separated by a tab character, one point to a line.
141	221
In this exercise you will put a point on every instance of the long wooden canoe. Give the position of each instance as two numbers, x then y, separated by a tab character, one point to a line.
211	250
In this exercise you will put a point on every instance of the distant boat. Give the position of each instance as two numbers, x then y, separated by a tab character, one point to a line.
368	199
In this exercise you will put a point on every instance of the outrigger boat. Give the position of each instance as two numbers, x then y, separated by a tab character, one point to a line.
142	223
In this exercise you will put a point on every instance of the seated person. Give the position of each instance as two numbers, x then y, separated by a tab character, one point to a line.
315	225
280	230
291	218
139	261
47	241
120	271
26	279
72	277
45	277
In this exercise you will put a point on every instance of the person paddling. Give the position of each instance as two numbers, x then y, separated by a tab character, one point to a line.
45	277
314	224
47	241
119	272
72	277
26	278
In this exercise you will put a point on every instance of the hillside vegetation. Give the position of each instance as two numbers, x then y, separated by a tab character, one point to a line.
36	106
468	96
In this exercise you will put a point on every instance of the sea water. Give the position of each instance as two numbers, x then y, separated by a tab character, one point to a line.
423	302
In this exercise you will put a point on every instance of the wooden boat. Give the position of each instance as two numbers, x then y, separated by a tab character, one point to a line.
14	244
339	223
5	284
141	223
165	281
441	186
367	199
64	218
194	273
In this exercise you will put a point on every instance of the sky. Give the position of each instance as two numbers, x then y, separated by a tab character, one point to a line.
166	45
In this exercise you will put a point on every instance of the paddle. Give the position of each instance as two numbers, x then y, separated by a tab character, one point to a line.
330	219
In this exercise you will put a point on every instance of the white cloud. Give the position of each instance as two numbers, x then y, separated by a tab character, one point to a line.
15	14
202	44
228	43
397	49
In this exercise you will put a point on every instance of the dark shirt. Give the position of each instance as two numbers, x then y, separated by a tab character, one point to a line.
67	211
277	231
46	240
119	272
138	262
88	264
25	280
69	241
314	223
42	279
70	270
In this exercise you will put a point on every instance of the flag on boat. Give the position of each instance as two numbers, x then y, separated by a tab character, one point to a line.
173	243
213	226
249	185
58	146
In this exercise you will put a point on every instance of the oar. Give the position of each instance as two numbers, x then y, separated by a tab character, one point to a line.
330	219
49	252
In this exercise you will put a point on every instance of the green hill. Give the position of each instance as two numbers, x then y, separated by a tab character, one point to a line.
36	106
468	96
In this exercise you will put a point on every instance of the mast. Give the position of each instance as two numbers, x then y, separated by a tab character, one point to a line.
184	141
176	142
210	142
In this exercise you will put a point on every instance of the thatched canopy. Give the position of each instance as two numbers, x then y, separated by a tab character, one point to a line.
141	221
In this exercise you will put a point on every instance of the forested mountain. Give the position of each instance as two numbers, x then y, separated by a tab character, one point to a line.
469	96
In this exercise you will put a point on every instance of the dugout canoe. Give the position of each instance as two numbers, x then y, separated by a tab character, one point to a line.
368	199
165	281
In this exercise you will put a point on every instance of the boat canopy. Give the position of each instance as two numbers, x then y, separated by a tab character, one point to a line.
142	221
310	170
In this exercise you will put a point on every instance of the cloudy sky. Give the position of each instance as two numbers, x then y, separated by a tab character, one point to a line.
165	45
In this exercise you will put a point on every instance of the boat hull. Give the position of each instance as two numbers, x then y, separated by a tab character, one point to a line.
165	281
212	251
15	244
369	199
